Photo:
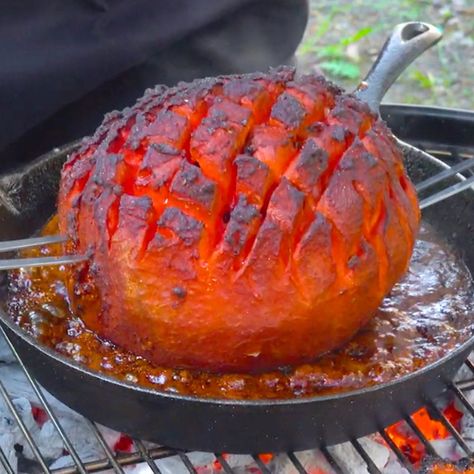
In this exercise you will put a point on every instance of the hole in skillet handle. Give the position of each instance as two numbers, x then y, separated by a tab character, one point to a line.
412	30
404	45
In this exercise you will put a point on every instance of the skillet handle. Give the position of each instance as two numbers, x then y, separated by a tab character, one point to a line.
405	44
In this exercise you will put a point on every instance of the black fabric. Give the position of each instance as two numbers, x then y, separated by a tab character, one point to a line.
66	63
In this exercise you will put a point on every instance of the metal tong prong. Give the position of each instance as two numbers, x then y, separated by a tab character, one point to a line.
467	164
14	245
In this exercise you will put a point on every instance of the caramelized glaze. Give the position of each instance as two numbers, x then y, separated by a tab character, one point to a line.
239	223
428	314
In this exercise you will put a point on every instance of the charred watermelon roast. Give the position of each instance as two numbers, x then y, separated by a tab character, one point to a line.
238	223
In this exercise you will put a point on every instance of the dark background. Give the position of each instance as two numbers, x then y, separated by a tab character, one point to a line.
66	63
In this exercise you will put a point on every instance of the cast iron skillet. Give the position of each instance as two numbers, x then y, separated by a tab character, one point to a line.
28	199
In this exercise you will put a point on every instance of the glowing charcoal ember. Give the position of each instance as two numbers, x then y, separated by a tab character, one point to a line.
39	415
436	466
433	430
124	444
267	172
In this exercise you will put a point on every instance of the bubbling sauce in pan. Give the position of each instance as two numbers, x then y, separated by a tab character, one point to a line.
427	314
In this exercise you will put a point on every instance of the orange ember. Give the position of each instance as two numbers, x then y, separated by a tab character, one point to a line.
217	466
449	469
39	415
443	467
266	458
431	429
453	415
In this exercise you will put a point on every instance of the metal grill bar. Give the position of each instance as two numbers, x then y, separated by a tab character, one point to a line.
463	399
261	464
332	461
187	463
142	450
4	463
296	463
469	365
115	465
161	452
23	428
224	464
373	469
99	465
466	384
429	448
449	426
54	420
123	460
400	456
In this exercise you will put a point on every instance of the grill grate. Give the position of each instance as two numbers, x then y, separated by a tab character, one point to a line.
143	453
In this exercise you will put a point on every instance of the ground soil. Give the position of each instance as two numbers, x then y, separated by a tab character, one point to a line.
343	37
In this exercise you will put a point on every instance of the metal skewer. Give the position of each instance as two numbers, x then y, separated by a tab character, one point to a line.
9	245
10	264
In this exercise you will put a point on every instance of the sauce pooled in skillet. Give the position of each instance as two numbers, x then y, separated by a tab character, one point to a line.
427	314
